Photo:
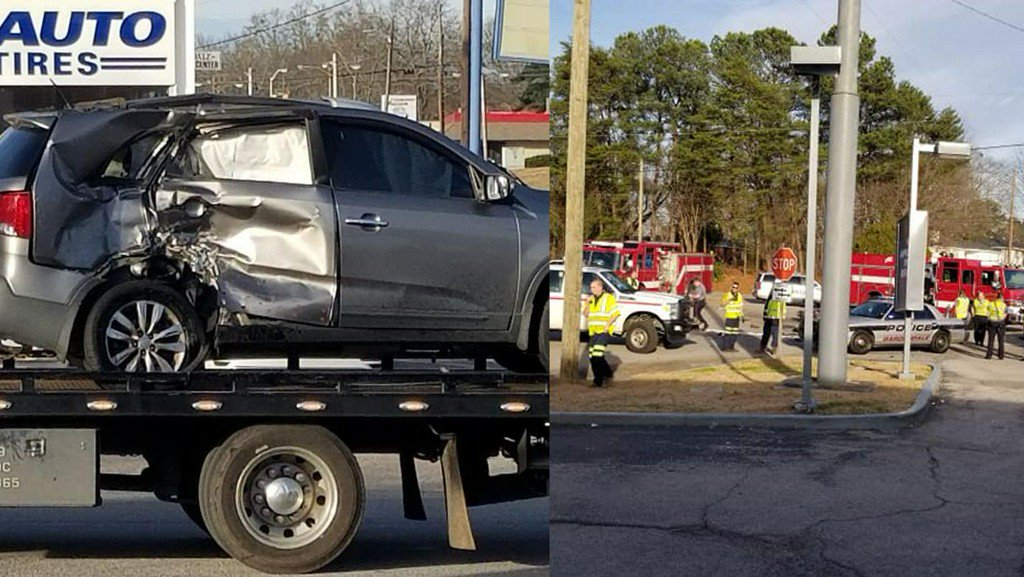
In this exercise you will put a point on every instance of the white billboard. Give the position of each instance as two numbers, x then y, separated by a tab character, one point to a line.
404	105
208	60
521	29
88	42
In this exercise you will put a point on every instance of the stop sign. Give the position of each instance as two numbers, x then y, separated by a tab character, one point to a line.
784	264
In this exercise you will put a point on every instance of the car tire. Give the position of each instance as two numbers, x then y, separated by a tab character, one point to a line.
537	359
164	310
641	336
861	343
940	342
325	483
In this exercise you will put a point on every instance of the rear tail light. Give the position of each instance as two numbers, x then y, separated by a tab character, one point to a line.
16	214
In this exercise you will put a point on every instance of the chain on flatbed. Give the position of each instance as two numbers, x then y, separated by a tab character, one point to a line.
274	393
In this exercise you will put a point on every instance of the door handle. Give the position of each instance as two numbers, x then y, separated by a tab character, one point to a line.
369	222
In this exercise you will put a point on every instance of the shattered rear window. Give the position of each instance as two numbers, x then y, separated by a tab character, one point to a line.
277	153
20	150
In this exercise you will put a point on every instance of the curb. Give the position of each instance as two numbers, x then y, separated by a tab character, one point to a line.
908	417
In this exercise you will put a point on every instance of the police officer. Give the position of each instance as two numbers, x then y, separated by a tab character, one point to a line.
601	312
732	304
979	317
996	324
774	314
962	309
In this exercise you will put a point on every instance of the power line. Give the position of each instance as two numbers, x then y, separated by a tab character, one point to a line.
987	15
276	26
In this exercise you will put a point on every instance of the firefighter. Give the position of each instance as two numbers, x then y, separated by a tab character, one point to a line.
979	317
631	279
601	312
732	304
962	309
996	324
774	314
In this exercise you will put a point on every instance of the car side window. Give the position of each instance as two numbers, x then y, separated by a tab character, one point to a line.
263	153
372	159
555	278
924	315
131	161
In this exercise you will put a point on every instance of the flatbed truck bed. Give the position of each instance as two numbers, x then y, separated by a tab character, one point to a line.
263	459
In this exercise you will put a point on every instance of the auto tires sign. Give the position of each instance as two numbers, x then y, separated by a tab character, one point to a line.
87	42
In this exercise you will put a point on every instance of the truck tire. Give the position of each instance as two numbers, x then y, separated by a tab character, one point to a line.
539	355
861	343
940	342
641	336
143	326
282	498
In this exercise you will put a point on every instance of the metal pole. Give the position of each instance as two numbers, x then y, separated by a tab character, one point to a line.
464	68
440	67
640	203
915	163
1013	194
844	119
354	85
806	398
387	70
272	84
483	114
334	75
476	27
250	80
575	181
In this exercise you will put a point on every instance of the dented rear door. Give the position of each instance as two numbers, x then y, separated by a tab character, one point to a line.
240	206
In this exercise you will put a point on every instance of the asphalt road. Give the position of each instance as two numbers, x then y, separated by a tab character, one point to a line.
941	499
134	535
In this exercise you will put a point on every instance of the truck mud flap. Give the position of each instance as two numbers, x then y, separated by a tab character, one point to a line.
48	468
460	531
412	499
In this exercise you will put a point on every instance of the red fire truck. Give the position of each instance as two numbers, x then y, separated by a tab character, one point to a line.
660	266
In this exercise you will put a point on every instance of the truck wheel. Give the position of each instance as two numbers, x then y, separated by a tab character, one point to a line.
143	326
282	498
861	343
940	342
538	359
641	336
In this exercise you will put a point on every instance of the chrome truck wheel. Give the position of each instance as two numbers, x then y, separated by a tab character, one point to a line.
282	498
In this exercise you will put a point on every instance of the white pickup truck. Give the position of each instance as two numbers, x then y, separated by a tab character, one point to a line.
647	318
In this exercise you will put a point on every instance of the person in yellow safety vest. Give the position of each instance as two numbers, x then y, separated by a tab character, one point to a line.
601	312
962	310
732	304
979	317
996	325
631	279
774	314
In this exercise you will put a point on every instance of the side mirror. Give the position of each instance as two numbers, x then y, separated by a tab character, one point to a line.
496	187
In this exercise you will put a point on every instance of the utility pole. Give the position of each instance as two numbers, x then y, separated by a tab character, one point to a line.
250	80
387	71
476	65
1013	193
334	75
844	118
467	17
640	204
574	185
440	67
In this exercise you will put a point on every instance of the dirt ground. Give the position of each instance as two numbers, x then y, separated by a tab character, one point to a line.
747	386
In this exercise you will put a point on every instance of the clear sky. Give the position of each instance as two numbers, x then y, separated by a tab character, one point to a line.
958	57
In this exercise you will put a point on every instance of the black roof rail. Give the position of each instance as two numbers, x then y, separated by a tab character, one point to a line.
227	100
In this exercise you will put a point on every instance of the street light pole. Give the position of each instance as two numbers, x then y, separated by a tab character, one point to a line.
249	76
334	75
915	162
274	77
844	115
806	397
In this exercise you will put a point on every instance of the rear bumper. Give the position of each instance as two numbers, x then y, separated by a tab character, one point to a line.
37	303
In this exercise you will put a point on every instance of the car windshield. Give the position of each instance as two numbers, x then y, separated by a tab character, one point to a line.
618	283
601	259
872	309
1014	278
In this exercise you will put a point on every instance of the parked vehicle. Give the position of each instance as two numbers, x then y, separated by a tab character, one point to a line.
874	325
660	266
796	288
646	319
145	236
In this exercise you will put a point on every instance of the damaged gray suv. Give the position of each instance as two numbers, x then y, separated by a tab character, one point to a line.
152	235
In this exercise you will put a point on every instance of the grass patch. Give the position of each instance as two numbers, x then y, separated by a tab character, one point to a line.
747	386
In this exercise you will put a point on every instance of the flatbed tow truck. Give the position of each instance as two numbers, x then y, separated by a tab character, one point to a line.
262	460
